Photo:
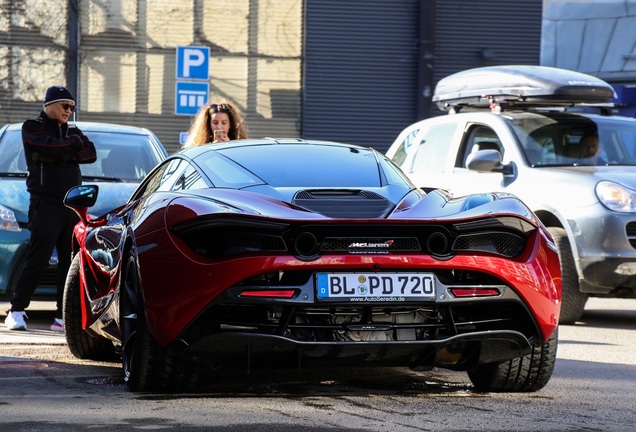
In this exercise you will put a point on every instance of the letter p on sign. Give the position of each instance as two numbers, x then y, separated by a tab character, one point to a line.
193	63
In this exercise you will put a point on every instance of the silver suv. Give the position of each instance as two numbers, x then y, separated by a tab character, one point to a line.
510	128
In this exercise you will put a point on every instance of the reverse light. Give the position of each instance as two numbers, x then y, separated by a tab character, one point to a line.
8	221
269	293
474	292
616	197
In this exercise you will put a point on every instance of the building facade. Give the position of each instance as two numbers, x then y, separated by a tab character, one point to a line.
356	71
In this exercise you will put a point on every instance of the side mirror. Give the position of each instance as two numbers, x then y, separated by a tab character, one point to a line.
80	198
487	161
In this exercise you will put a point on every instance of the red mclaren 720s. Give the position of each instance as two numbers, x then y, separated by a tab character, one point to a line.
260	253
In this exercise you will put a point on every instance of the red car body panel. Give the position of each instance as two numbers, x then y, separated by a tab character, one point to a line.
198	283
173	266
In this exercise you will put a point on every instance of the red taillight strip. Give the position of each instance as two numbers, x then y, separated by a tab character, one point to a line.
474	292
269	293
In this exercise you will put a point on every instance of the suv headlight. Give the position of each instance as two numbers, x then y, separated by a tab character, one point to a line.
616	197
7	220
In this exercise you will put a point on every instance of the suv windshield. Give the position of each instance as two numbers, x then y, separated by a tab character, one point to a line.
562	139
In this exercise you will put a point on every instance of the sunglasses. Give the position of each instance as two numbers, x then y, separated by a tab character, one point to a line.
219	108
66	106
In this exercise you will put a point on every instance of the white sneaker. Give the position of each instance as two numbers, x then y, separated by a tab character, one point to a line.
15	320
58	325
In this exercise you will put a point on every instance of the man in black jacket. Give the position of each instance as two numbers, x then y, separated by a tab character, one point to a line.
53	150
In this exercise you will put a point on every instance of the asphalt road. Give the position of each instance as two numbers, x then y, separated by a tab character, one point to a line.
44	388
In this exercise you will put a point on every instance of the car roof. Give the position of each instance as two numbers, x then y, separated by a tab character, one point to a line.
196	150
475	114
96	127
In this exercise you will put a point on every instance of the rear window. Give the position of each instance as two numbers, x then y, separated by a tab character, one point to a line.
309	165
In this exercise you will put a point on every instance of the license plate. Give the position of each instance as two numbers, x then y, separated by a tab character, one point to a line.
375	286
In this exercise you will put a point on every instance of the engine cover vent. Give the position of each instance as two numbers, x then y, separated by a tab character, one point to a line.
335	203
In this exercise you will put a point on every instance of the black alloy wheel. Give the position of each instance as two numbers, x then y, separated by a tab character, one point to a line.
147	367
81	344
528	373
131	320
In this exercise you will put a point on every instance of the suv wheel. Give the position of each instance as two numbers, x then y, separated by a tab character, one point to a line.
573	302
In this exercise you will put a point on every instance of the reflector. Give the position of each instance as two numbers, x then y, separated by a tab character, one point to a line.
474	292
268	293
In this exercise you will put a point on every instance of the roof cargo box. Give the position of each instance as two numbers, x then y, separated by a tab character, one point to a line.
520	86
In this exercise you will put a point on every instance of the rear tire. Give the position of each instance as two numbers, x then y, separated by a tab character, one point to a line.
147	366
573	301
81	344
523	374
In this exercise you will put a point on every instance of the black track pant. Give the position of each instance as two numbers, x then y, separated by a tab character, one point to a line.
51	226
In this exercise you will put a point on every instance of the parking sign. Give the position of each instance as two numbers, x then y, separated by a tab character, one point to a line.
193	63
190	96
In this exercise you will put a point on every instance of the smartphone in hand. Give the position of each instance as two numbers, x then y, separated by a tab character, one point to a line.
219	135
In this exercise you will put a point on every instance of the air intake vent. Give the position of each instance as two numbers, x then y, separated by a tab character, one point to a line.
630	230
500	243
344	203
337	194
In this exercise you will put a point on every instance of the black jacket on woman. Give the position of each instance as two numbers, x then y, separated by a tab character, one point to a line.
52	155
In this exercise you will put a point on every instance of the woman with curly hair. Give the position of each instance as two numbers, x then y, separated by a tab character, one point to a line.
216	122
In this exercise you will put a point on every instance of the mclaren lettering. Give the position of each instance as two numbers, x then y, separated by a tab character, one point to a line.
386	244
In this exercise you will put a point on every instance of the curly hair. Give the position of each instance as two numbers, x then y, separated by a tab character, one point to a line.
200	131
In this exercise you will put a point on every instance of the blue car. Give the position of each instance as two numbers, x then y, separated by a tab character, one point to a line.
125	154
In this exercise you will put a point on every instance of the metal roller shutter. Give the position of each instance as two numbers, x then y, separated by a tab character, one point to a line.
471	34
360	76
